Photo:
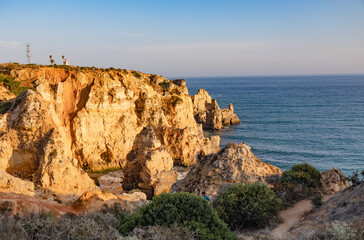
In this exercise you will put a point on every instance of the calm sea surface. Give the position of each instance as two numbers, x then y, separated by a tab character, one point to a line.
290	120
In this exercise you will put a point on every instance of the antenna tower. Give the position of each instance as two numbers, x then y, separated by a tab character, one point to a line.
28	52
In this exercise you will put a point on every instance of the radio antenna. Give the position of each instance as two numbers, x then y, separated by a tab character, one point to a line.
28	52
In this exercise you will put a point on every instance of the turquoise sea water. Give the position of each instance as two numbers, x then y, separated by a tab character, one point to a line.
290	120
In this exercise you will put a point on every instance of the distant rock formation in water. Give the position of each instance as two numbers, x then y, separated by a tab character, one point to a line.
208	113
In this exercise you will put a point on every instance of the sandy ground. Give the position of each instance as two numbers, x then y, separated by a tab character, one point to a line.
291	216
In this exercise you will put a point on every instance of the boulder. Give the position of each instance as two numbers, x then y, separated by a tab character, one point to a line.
9	183
19	204
149	167
333	181
233	164
92	201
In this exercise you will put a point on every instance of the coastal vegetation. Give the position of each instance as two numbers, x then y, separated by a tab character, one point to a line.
304	174
298	183
136	74
249	205
355	179
12	85
49	226
189	211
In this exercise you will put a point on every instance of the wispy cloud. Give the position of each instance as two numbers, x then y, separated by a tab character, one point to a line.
8	44
141	35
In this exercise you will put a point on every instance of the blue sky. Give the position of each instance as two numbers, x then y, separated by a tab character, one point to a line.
190	38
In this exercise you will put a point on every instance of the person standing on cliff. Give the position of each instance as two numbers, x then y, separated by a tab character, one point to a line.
207	198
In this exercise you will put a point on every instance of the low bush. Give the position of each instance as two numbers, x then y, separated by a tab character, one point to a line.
160	232
249	205
12	85
300	182
317	200
48	226
355	179
136	74
302	174
292	193
5	107
186	210
334	231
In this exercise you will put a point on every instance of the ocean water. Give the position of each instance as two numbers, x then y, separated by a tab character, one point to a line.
290	120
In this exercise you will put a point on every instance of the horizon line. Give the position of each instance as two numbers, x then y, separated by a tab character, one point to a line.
271	75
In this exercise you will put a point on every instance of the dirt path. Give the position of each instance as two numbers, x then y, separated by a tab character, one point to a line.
291	217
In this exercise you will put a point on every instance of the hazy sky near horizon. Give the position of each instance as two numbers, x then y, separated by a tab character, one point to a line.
191	37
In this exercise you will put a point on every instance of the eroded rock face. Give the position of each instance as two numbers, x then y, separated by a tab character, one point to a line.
80	120
32	148
95	201
102	111
233	164
333	181
149	167
20	204
208	113
9	183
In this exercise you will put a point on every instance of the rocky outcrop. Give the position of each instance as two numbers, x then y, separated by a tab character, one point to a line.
102	111
87	120
149	167
208	113
228	116
19	204
5	94
33	149
9	183
233	164
333	181
96	200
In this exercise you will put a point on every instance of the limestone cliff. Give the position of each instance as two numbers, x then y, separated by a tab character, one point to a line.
88	119
149	167
214	173
208	113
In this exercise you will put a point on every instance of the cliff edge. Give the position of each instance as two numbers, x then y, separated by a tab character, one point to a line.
73	120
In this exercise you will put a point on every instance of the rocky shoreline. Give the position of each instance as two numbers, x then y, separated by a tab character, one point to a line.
71	120
80	138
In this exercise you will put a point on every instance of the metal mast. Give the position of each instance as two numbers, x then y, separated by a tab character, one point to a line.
28	52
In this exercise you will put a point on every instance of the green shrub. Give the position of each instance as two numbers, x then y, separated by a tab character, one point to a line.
2	78
291	193
5	107
160	232
163	84
185	209
355	179
136	74
334	231
12	85
248	205
302	174
42	226
317	200
298	183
